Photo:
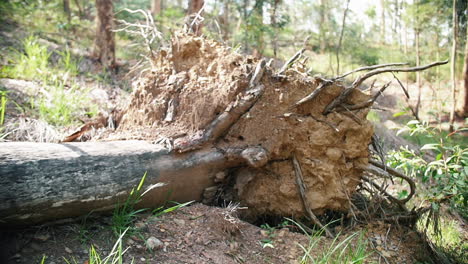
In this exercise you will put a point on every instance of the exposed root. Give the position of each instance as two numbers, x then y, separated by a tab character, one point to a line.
347	91
302	191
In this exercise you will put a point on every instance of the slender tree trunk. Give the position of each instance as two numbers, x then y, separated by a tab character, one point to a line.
194	7
80	9
225	19
259	42
338	48
245	33
104	44
418	61
66	9
322	25
156	7
382	22
274	23
465	75
453	64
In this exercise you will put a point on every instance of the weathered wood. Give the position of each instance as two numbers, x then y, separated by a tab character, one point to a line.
44	181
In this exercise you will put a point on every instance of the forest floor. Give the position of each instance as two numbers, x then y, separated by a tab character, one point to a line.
200	234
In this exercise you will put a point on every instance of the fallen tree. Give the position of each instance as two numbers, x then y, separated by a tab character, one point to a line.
279	143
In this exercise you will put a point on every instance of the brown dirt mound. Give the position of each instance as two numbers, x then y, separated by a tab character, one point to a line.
194	83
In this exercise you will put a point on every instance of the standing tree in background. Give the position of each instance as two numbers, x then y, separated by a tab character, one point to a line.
465	74
66	9
224	19
257	28
104	43
194	7
156	7
274	24
382	22
323	24
453	64
340	40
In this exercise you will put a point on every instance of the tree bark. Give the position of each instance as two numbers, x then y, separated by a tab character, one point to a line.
44	181
418	62
194	22
382	22
338	48
66	9
104	44
453	65
274	24
156	7
195	6
322	25
225	19
465	75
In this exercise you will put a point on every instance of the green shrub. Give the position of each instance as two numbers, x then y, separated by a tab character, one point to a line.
445	175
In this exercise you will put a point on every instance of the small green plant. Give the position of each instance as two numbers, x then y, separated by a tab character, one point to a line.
61	106
125	214
3	101
445	175
31	64
67	63
114	257
163	210
350	249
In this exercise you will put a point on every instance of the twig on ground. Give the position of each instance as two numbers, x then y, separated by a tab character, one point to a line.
302	192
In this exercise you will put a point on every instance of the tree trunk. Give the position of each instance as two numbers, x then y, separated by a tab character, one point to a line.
80	9
225	19
195	6
194	22
465	75
274	24
322	25
338	48
66	9
104	44
453	65
156	7
382	22
418	62
258	22
45	181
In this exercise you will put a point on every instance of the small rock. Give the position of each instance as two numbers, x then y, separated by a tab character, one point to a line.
264	233
42	237
142	259
154	243
282	232
220	176
36	246
68	250
130	241
179	222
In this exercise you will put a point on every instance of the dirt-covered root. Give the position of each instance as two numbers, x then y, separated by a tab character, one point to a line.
199	81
